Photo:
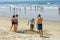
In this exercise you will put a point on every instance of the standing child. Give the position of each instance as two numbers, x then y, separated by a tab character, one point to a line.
32	23
13	22
39	24
16	22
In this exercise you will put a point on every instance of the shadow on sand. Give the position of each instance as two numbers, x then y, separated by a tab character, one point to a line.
46	35
27	32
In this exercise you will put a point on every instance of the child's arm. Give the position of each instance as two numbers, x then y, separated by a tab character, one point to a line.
11	25
36	23
28	23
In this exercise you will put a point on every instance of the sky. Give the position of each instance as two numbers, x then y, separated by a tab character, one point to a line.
26	0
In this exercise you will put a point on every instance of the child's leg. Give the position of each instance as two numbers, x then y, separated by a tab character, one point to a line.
32	27
41	32
14	27
11	27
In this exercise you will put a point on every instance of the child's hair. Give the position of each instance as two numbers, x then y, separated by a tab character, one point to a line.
33	19
39	15
16	15
13	16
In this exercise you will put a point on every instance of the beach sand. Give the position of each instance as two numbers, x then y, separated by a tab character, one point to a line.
51	30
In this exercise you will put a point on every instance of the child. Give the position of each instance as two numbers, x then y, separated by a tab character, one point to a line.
16	22
39	24
32	23
13	22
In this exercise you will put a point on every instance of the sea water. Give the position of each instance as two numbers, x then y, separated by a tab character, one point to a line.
31	9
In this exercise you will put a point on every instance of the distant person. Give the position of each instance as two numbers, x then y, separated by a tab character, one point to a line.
39	24
13	22
31	22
